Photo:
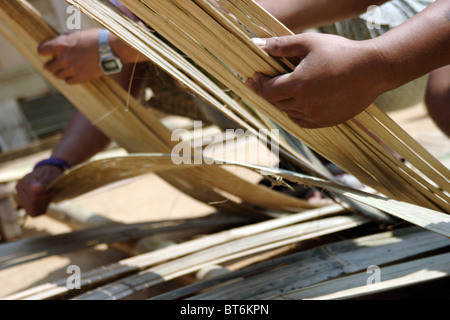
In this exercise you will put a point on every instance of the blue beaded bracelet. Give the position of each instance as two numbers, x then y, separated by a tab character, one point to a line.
63	165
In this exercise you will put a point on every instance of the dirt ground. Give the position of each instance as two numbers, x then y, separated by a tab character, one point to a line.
147	198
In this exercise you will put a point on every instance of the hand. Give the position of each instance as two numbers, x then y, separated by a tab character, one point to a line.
336	79
75	57
31	190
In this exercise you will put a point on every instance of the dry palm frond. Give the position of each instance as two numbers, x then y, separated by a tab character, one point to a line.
220	43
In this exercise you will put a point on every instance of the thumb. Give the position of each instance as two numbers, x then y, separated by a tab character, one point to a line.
49	48
287	46
37	186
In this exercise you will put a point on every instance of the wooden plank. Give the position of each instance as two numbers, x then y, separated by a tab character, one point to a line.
33	147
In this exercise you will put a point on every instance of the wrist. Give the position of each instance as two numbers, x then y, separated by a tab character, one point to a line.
53	162
384	66
123	51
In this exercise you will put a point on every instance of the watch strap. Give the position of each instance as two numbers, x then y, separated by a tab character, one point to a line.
103	45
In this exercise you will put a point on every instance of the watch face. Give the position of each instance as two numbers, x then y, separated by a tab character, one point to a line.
110	65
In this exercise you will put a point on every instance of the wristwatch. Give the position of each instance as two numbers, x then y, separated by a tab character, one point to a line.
109	63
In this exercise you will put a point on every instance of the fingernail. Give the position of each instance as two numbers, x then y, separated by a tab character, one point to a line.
259	42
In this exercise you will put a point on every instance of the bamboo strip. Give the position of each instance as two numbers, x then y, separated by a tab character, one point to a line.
393	277
429	219
26	250
141	262
161	54
316	265
221	253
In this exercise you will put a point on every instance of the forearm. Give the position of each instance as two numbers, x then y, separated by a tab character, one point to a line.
126	53
299	15
418	46
80	140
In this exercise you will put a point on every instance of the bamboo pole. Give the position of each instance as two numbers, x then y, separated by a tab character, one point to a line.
221	253
26	250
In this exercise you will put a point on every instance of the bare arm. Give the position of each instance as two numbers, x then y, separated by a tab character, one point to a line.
338	78
299	15
418	46
80	141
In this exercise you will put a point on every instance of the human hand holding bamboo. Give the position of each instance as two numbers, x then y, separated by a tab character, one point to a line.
336	79
32	194
74	56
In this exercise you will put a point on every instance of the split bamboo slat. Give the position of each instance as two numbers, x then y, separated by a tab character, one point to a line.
26	250
229	251
69	184
305	268
221	45
393	277
128	123
201	248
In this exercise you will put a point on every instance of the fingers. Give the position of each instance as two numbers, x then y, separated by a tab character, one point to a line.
288	46
61	69
50	48
275	89
32	197
32	194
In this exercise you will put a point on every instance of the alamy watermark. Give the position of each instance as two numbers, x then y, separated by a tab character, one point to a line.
375	276
74	280
74	19
373	17
233	145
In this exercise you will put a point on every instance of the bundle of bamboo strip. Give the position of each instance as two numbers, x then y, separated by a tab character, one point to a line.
127	122
219	43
